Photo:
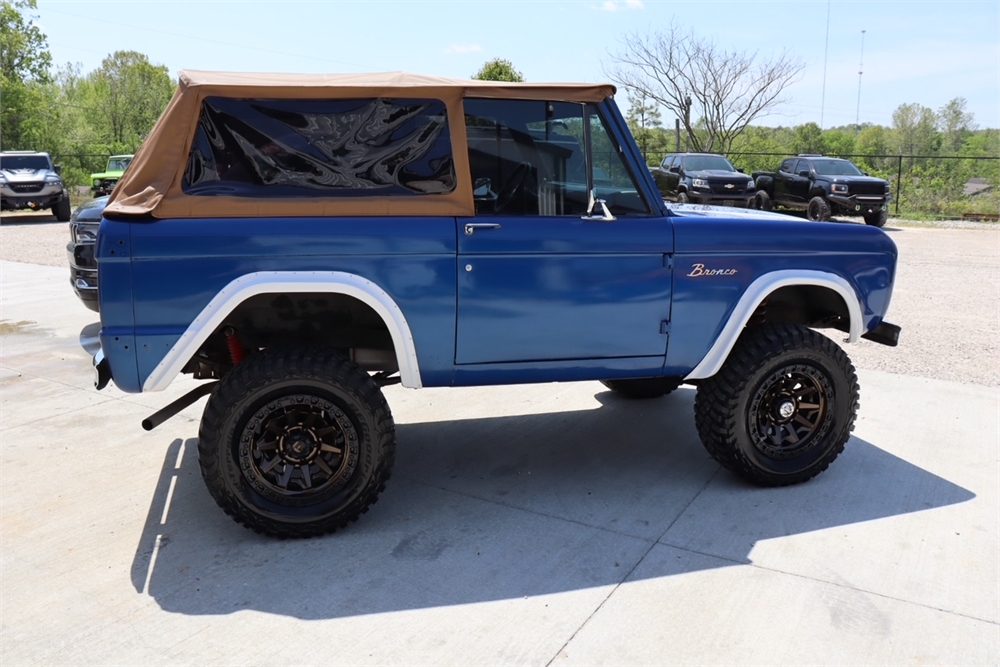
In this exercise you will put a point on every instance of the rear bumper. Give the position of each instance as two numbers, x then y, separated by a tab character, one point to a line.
102	371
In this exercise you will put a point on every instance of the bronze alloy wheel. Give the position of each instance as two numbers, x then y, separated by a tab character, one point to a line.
298	447
788	412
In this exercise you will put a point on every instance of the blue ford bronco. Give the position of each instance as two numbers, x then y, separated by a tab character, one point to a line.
298	242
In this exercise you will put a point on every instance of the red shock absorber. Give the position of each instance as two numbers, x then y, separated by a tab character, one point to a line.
236	351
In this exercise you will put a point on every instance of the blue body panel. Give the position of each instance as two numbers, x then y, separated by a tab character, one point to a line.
114	253
702	304
527	299
180	265
561	288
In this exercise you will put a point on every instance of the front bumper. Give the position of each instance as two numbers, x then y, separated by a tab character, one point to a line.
35	201
104	188
83	273
739	200
860	205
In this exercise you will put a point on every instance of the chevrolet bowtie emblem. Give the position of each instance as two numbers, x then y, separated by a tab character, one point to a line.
730	186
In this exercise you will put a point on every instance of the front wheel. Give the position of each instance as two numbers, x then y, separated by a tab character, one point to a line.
62	210
296	442
781	408
762	201
818	209
877	218
682	198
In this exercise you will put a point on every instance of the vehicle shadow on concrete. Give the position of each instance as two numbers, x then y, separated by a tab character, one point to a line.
36	218
500	508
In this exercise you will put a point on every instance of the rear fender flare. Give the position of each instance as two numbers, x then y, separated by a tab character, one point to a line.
289	282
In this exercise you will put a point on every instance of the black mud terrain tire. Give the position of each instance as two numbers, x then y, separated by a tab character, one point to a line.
818	209
781	408
642	387
762	201
877	218
62	210
682	198
296	442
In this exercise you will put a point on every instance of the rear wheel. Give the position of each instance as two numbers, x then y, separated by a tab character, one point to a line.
818	209
781	408
296	443
642	387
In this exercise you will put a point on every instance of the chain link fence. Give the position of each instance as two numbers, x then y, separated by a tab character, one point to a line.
926	186
923	186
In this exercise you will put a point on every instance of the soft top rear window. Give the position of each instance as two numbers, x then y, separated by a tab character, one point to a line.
320	148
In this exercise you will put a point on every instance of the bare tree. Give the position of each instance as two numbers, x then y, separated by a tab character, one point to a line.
715	93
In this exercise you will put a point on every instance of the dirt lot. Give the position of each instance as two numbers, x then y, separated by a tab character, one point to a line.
947	295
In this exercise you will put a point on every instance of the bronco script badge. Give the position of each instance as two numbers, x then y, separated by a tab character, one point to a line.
700	270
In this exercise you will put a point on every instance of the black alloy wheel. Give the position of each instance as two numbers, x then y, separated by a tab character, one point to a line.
296	442
781	408
788	410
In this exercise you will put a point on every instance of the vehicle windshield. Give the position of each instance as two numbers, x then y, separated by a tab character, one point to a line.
706	162
118	164
835	168
24	162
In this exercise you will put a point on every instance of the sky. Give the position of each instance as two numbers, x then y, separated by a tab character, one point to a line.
912	51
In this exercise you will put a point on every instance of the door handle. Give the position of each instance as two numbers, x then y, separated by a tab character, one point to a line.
471	227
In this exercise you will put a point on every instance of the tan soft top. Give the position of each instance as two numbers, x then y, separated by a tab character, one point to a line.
152	183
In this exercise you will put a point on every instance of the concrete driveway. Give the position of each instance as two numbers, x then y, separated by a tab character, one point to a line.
541	524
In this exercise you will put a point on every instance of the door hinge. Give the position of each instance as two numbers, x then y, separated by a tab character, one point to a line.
665	327
668	261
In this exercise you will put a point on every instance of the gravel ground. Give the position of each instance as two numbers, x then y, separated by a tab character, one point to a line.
946	299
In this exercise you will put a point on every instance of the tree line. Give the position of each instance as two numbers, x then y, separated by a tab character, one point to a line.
79	118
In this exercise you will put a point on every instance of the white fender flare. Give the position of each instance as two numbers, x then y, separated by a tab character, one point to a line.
756	293
288	282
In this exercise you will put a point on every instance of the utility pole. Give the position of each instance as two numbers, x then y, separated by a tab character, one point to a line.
687	124
861	67
826	53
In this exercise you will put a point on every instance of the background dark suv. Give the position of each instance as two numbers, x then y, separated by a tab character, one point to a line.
703	178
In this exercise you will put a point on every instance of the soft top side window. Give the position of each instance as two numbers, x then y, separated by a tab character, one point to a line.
320	148
529	157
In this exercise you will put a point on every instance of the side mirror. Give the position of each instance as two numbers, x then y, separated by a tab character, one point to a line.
482	187
740	170
57	168
804	173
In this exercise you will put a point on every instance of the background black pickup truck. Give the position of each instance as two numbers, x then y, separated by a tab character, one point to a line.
702	178
823	186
